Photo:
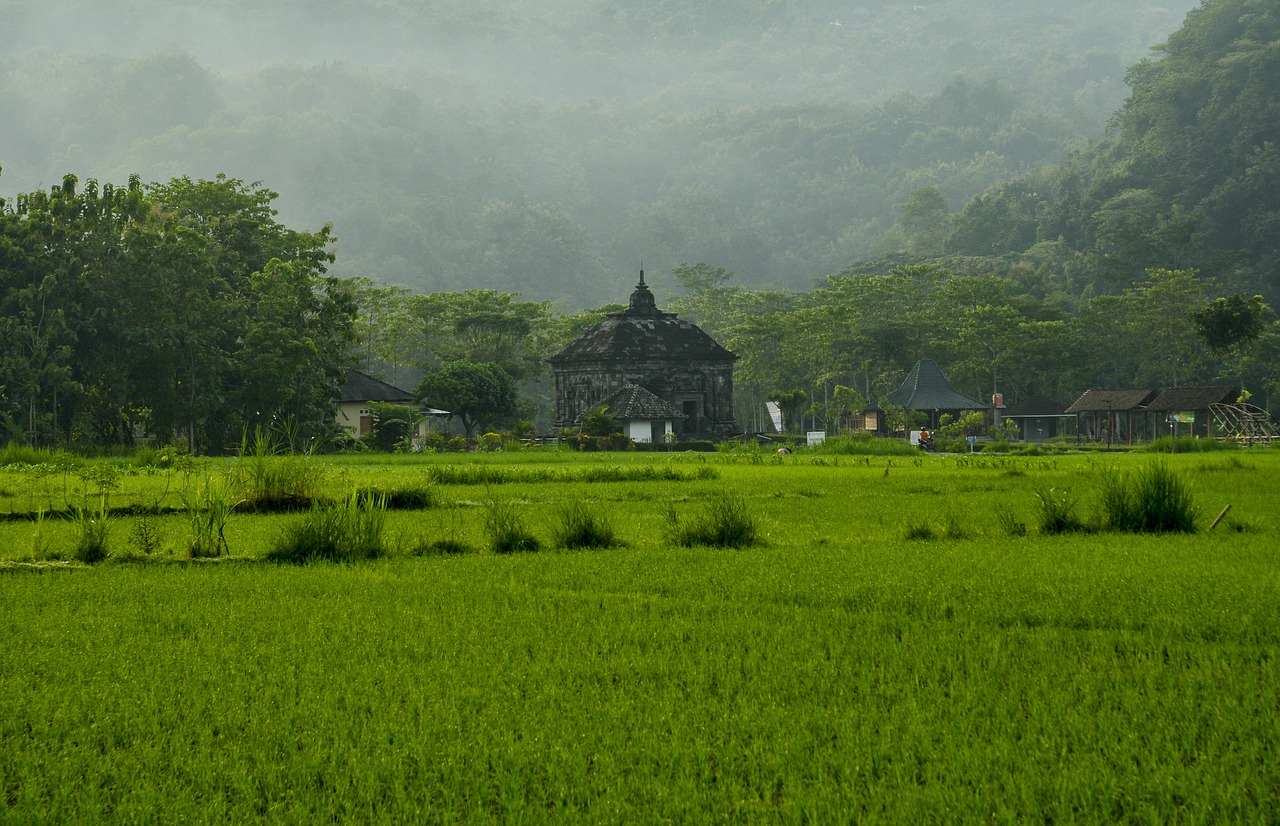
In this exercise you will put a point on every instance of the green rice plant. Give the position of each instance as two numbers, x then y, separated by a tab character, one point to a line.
581	527
347	531
953	528
1188	444
404	497
1057	512
207	516
506	529
92	533
41	547
448	541
1156	501
724	522
469	475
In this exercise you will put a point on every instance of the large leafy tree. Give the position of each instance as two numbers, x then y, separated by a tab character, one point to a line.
476	393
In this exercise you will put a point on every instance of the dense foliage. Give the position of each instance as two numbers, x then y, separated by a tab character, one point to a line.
179	309
1188	181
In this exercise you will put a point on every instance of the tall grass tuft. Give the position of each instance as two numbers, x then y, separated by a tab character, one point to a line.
207	516
267	480
506	530
405	497
1164	503
1057	512
1156	501
347	531
1117	502
725	522
92	533
580	527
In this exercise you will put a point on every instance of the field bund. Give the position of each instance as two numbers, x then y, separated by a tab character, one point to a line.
835	672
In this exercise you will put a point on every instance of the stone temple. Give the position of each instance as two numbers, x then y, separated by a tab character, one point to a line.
671	358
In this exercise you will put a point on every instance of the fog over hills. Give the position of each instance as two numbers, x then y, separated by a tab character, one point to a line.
548	147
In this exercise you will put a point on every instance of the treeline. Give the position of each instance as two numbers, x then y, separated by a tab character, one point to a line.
186	310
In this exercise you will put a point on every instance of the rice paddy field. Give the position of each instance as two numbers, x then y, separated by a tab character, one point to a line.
896	639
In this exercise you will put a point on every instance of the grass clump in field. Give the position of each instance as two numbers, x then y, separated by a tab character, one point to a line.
1058	512
92	533
207	516
1156	501
724	522
582	528
270	481
405	497
346	531
506	529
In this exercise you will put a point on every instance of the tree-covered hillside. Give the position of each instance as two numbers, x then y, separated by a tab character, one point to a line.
1191	178
549	148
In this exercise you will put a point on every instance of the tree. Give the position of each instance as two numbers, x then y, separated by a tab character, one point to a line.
1231	326
792	404
475	393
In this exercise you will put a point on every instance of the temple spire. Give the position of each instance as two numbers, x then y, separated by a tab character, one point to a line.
642	301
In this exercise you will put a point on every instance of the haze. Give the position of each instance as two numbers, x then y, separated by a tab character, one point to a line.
548	148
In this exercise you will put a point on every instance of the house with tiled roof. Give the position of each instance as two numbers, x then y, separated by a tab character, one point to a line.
359	389
670	358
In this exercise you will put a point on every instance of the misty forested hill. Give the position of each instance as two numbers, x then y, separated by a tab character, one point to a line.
1191	179
548	148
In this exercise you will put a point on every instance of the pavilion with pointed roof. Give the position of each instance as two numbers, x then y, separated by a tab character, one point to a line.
926	389
671	359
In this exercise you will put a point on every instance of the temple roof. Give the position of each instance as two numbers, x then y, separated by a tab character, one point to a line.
632	402
642	331
925	388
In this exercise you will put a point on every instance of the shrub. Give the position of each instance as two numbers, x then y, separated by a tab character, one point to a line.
345	531
506	530
725	522
581	527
